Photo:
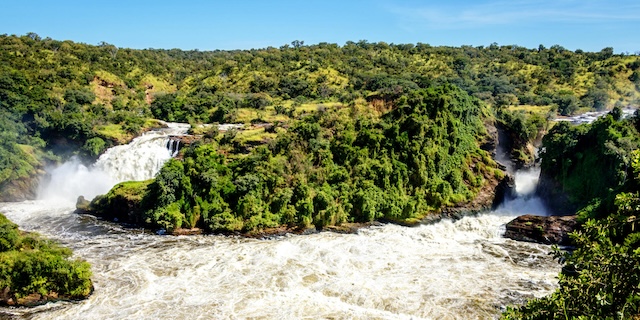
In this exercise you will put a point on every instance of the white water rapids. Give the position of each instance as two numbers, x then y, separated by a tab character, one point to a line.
459	269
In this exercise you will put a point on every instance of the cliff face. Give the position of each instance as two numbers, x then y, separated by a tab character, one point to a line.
554	197
25	188
19	190
496	188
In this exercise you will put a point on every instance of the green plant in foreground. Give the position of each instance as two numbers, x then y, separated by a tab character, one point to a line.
30	265
600	279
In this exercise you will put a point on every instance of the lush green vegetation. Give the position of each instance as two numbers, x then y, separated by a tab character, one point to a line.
70	98
598	165
591	161
32	266
328	168
523	128
360	132
600	279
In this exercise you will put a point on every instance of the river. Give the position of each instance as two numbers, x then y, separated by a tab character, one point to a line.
459	269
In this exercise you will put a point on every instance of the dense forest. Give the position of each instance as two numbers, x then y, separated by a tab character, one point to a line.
351	133
328	168
61	98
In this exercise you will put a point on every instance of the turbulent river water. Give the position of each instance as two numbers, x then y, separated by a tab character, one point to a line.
459	269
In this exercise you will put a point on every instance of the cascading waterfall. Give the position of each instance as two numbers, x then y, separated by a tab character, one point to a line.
174	146
459	269
589	117
139	160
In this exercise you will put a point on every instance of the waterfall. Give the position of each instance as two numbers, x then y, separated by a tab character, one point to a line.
452	269
526	200
173	145
139	160
177	148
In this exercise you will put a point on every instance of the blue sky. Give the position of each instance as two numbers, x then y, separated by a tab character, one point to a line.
589	25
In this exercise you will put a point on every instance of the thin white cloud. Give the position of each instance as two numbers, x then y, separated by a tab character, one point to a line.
487	13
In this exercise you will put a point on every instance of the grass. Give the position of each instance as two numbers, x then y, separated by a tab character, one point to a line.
254	135
312	107
110	78
531	109
245	115
158	85
103	94
152	124
113	132
117	133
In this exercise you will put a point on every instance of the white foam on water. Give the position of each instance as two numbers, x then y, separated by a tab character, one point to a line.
459	269
139	160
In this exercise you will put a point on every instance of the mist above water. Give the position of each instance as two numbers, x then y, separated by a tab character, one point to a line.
460	269
526	201
139	160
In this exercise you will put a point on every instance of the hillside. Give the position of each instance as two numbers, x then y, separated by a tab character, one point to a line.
326	169
597	169
64	98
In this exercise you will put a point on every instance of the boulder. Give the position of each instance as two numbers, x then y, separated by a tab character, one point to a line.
82	205
541	229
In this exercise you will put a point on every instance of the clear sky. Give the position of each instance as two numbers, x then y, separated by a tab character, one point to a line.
589	25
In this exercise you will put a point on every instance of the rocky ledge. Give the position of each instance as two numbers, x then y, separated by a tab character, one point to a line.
541	229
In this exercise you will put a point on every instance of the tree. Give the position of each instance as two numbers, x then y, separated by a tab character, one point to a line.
600	279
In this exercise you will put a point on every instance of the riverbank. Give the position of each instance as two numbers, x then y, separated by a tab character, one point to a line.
382	271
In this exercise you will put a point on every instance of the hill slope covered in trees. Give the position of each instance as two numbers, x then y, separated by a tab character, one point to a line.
328	168
61	98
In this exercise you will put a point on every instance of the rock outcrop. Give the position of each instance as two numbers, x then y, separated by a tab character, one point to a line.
495	189
25	188
541	229
121	204
550	191
184	140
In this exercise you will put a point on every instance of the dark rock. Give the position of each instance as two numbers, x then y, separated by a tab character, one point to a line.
21	189
491	142
82	205
551	193
184	140
540	229
492	194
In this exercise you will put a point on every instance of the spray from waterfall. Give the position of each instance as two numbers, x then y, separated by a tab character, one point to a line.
452	269
139	160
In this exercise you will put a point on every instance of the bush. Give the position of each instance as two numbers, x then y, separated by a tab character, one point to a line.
94	146
30	265
9	234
